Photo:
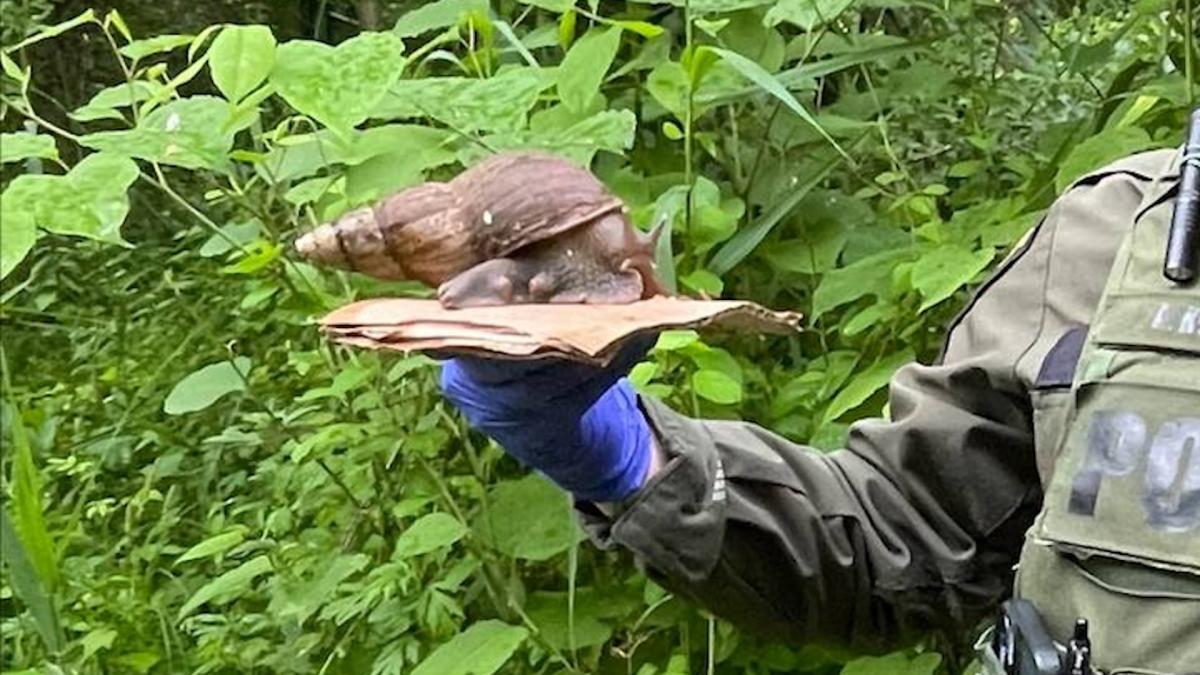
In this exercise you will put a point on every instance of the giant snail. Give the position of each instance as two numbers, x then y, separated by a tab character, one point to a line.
518	227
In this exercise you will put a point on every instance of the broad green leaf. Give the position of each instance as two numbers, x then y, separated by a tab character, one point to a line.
407	365
668	83
433	15
26	585
301	156
97	640
18	229
498	103
714	358
387	158
429	533
21	145
807	14
815	251
746	35
896	663
206	386
717	387
227	586
714	217
89	201
419	148
240	59
528	519
701	279
158	44
215	545
339	86
314	189
28	509
610	130
137	662
582	70
641	374
864	384
937	274
105	103
880	311
771	85
548	611
869	276
672	340
258	255
299	600
1097	151
98	187
239	234
186	132
479	650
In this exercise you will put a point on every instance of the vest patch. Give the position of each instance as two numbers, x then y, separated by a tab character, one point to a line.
1119	442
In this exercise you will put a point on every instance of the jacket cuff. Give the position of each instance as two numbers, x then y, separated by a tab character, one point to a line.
675	523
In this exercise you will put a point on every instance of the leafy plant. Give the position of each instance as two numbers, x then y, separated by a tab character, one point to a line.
198	482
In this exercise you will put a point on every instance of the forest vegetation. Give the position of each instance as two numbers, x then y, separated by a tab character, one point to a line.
196	481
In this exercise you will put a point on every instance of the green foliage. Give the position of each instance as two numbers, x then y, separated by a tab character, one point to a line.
479	650
88	201
170	508
204	387
19	146
240	59
361	71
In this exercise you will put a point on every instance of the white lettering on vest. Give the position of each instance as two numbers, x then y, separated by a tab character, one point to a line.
1190	323
1117	445
1182	319
1162	318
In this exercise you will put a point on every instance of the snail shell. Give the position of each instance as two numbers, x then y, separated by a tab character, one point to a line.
434	231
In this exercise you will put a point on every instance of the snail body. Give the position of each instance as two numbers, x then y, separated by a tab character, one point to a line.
605	261
517	227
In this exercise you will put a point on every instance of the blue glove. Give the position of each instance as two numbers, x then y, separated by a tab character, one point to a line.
578	424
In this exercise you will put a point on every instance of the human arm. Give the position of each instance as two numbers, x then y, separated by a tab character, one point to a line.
918	522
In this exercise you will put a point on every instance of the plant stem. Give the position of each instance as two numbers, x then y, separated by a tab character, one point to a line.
712	646
1189	49
688	120
572	573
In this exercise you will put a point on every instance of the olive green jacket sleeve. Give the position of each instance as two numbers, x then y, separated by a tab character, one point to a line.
918	522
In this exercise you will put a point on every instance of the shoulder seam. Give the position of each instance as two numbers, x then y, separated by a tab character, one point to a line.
1016	255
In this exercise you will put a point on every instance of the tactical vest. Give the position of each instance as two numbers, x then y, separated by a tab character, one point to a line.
1118	539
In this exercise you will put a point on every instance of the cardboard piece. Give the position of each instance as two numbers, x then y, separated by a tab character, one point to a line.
579	331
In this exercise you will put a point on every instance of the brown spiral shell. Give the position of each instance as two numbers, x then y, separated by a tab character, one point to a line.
434	231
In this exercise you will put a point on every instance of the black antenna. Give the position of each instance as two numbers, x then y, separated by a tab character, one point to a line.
1183	244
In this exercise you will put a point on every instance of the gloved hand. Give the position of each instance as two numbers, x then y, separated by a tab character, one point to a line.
578	424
